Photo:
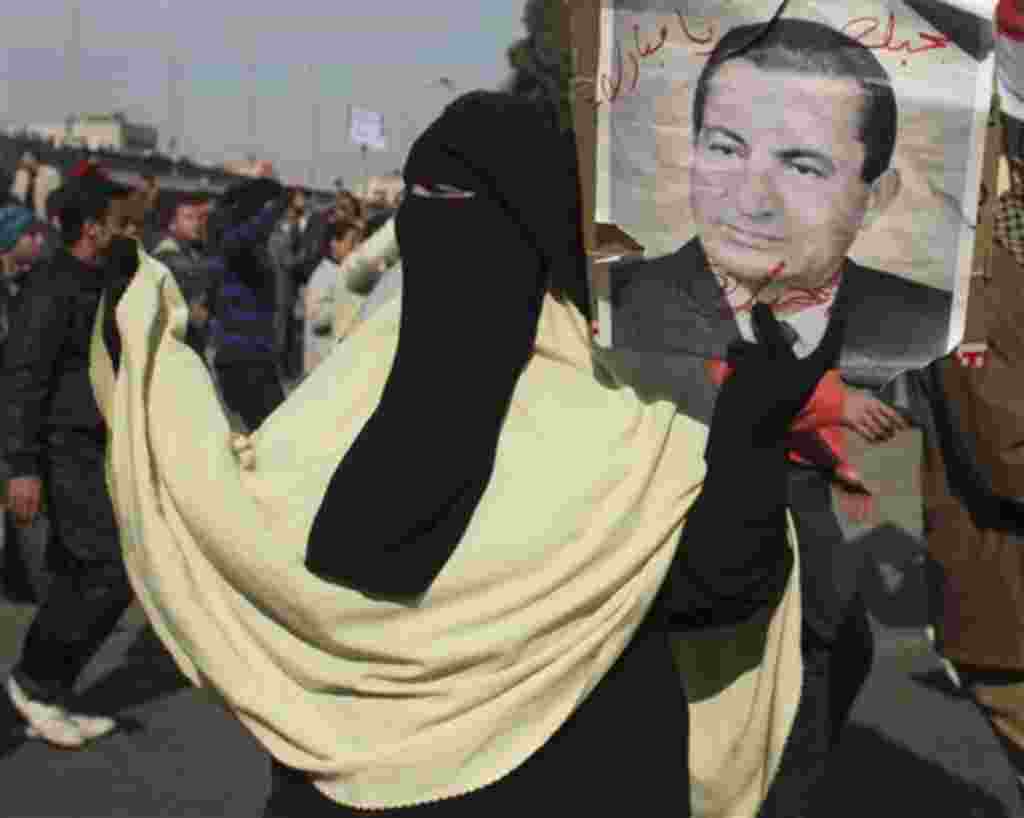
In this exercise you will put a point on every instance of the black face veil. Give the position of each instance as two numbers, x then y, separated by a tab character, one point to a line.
489	219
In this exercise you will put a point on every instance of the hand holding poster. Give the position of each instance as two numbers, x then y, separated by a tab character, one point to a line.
831	156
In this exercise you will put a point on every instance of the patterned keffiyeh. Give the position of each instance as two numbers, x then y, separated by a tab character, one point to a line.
1009	223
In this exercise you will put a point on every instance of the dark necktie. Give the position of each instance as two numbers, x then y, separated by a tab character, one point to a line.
790	334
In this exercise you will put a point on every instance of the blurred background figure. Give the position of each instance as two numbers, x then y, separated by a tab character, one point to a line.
294	249
20	252
320	294
54	442
182	248
347	206
972	474
246	309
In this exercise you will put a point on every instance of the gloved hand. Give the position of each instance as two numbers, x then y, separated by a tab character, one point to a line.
734	556
768	388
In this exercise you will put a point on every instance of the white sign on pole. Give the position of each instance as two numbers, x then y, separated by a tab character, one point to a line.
366	128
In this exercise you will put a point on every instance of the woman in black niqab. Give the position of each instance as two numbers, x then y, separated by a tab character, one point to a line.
490	223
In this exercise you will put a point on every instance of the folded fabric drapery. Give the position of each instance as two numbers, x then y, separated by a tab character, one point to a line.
399	702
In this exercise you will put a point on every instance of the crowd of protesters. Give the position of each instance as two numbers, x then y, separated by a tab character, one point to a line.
243	270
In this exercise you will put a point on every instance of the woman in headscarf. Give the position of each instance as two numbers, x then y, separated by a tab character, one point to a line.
434	580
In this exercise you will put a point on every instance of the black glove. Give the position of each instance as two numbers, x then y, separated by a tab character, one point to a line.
768	388
734	557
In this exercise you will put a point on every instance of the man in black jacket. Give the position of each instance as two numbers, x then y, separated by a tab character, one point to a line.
54	439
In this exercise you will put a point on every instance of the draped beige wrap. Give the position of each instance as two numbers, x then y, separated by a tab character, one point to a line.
395	703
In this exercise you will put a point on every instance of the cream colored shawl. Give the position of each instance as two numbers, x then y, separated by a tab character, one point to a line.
391	703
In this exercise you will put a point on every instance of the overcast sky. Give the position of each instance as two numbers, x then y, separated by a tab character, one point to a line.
245	84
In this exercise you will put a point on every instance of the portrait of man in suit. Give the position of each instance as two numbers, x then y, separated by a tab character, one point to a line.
793	131
792	136
778	161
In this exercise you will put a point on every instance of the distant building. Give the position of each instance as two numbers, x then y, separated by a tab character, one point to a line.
100	132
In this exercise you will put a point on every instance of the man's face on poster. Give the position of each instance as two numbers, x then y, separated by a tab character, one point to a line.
776	174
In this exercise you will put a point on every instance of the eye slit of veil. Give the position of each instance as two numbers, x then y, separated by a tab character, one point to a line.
442	192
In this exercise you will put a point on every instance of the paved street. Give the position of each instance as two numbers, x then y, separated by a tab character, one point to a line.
914	748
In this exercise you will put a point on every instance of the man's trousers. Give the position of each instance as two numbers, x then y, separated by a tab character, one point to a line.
90	589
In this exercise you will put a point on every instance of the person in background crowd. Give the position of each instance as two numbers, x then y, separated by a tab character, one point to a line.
181	249
246	350
54	441
21	254
973	489
971	474
320	293
294	250
362	274
346	208
21	246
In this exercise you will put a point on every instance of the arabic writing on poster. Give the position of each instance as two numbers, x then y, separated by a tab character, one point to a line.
625	74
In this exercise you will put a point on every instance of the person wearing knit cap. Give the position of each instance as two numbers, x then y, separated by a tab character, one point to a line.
53	441
430	583
20	249
18	234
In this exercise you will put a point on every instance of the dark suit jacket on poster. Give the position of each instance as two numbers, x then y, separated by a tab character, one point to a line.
667	319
